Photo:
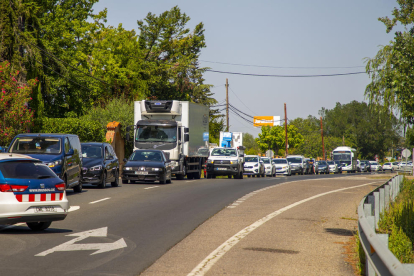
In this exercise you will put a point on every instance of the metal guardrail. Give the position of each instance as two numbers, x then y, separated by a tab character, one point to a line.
379	259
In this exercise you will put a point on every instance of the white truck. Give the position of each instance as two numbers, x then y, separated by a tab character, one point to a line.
179	128
228	157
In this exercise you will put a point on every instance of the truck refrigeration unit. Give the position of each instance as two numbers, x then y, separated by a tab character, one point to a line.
179	128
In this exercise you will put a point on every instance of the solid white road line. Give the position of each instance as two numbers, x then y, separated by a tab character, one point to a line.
93	202
151	187
190	180
219	252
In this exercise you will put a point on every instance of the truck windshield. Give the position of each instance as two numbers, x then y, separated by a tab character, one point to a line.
156	134
224	152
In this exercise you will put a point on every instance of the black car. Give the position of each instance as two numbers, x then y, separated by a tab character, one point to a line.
100	164
323	167
147	165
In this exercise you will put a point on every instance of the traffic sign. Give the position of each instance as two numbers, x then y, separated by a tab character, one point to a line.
406	153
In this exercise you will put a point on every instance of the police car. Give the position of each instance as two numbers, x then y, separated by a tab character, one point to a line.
30	192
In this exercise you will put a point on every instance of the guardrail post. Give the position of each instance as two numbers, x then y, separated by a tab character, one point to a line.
381	200
376	208
371	200
387	196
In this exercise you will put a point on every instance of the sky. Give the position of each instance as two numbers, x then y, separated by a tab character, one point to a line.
300	37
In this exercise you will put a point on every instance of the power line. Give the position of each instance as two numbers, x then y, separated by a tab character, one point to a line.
241	100
241	111
285	76
284	67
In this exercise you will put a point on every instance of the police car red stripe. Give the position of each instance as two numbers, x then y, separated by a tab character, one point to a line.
39	197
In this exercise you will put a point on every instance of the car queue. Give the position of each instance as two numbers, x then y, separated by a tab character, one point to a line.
38	169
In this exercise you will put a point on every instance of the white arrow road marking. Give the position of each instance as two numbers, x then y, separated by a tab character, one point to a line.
100	247
73	208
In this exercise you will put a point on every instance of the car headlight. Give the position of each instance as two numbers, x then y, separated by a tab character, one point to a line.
156	169
233	162
128	168
54	164
96	168
284	167
256	165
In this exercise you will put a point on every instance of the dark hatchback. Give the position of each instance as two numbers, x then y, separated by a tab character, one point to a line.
100	164
147	165
323	167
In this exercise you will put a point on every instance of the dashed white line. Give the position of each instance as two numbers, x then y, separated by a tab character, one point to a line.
151	187
190	180
219	252
93	202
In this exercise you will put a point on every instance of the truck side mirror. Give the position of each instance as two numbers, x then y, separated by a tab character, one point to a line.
186	137
128	128
186	130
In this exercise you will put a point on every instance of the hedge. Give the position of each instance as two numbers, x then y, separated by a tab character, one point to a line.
87	130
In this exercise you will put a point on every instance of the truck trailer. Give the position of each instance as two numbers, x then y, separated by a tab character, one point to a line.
179	128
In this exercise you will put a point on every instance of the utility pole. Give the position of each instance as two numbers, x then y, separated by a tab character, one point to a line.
286	139
227	103
323	145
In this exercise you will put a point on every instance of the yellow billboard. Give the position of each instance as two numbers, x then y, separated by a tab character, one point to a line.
259	121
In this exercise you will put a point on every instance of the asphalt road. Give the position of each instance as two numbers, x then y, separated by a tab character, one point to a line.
135	225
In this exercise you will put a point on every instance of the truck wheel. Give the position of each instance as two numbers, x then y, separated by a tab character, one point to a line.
230	176
124	181
241	175
190	175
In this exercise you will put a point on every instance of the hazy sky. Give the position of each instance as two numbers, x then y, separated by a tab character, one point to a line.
303	34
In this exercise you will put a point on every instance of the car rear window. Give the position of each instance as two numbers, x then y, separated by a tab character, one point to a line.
26	170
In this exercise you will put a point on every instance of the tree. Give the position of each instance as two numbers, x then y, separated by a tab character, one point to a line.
273	138
16	116
250	143
390	70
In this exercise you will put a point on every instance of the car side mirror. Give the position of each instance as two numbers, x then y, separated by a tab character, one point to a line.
70	152
125	160
127	136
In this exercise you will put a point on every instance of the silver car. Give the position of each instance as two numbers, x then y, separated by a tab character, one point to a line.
282	166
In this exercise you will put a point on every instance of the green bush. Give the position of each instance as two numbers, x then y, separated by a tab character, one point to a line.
120	110
87	130
400	245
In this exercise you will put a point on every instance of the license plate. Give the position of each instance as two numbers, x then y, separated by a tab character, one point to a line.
221	169
45	209
141	173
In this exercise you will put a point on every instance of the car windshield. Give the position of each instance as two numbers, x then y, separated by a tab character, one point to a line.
280	161
91	151
266	160
224	152
322	162
156	134
388	164
26	170
36	145
251	159
374	163
331	163
151	156
294	159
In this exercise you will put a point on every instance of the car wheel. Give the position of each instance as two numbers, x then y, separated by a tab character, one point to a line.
248	175
102	185
78	188
163	180
116	180
124	181
39	226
